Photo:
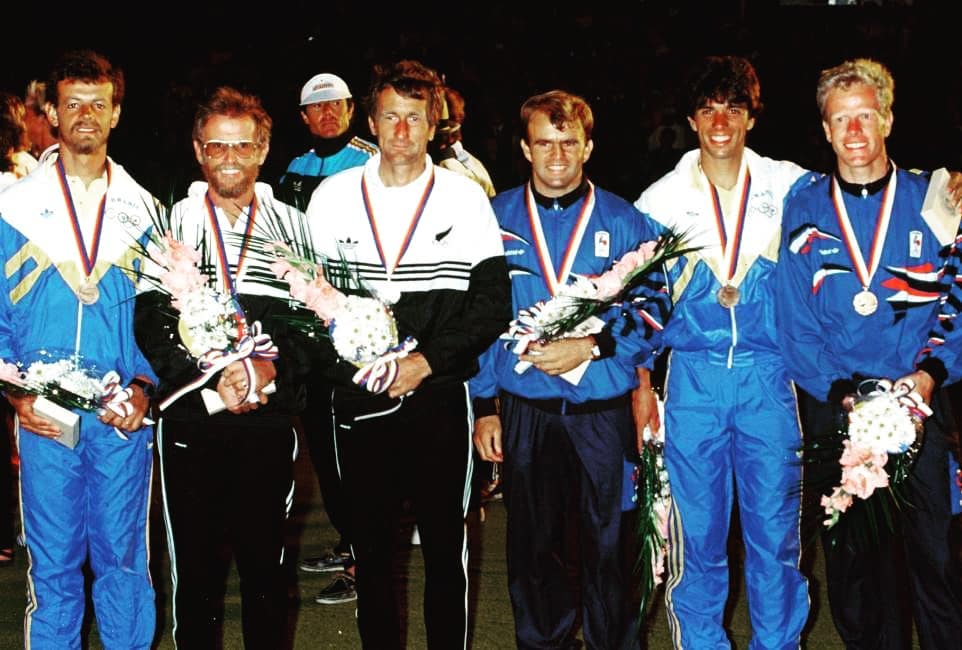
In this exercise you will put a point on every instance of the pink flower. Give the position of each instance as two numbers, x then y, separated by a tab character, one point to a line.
608	285
863	480
9	373
318	295
281	267
839	501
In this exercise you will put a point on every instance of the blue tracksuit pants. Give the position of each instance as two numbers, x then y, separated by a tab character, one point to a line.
90	501
733	432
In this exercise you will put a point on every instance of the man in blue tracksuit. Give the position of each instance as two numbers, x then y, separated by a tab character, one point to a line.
859	297
563	441
68	239
731	419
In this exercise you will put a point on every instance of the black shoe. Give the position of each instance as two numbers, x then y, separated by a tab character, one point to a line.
326	562
341	590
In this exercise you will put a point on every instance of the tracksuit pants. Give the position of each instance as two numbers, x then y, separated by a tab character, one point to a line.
228	485
557	465
319	433
733	431
417	448
89	502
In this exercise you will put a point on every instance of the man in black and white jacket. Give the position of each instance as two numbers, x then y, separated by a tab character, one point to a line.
426	240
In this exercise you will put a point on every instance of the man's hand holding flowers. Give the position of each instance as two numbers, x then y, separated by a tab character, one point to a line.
234	386
559	356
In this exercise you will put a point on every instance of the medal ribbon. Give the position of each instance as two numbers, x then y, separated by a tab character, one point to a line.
229	280
89	259
412	226
864	274
555	280
730	249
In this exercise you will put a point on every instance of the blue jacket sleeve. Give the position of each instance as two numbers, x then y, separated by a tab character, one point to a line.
807	357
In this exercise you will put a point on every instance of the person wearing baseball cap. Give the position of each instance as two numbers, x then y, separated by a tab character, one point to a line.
327	109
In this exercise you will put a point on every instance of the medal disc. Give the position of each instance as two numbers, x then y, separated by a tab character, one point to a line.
865	303
88	293
728	296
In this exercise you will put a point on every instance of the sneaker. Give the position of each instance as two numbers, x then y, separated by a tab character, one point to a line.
341	590
325	563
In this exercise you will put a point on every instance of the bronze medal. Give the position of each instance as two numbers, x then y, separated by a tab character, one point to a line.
728	296
865	303
88	293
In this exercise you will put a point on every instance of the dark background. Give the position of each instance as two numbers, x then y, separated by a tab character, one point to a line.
628	59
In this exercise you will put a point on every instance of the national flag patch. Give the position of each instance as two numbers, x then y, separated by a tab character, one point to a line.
801	239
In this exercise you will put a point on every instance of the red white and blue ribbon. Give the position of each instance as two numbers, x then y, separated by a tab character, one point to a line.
222	260
255	344
378	375
88	256
116	399
865	272
412	225
731	246
557	278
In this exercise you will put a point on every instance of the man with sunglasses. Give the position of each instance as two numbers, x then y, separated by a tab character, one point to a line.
67	236
228	475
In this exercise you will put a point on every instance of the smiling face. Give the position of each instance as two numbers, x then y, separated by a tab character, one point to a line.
722	129
557	156
85	114
232	170
856	129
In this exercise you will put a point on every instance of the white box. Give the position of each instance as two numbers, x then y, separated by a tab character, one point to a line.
66	420
215	404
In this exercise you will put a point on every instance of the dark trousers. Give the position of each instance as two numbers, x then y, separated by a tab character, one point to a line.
419	449
863	590
318	423
228	483
556	466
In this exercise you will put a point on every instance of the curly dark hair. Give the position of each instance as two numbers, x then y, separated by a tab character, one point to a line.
725	79
87	66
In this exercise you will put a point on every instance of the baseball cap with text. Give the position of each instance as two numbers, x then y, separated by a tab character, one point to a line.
324	87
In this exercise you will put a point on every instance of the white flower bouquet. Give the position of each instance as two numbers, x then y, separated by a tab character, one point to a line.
574	311
63	383
879	446
362	328
211	325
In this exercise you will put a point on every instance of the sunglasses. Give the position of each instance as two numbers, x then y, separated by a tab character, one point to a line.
243	149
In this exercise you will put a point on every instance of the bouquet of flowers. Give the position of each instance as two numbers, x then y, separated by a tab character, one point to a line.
211	326
574	311
63	383
879	445
654	502
360	324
